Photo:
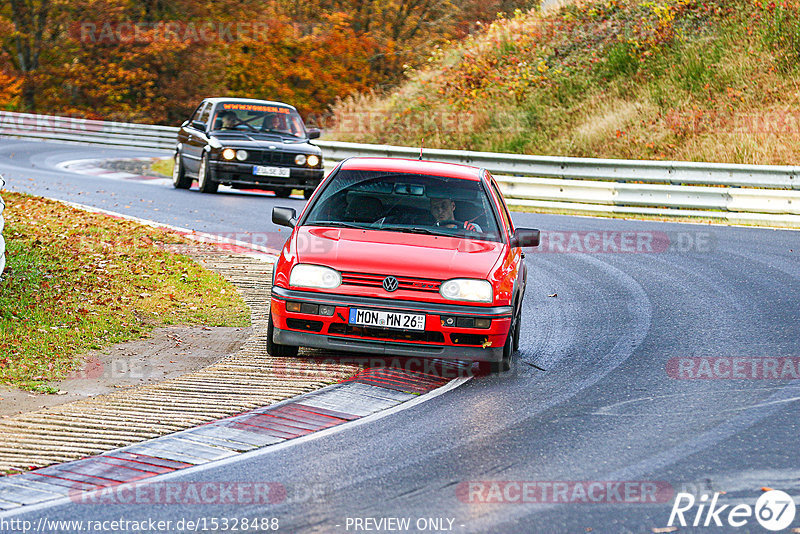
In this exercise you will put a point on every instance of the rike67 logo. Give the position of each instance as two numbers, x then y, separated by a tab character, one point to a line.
774	510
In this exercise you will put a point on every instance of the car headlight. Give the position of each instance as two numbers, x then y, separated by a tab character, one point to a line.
300	159
307	275
313	160
241	155
467	289
229	153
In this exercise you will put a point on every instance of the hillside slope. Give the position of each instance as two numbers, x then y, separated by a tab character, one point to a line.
669	79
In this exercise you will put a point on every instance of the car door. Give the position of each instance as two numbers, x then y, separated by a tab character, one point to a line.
515	257
196	138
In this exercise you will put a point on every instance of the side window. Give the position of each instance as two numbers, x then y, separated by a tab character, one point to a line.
196	115
503	210
205	114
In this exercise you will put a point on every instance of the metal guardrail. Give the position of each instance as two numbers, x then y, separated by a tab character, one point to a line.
756	194
670	172
2	227
85	131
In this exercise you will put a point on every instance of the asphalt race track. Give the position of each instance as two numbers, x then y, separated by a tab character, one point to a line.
599	395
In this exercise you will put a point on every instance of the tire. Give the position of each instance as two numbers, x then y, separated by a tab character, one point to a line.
509	353
283	192
275	349
204	181
179	178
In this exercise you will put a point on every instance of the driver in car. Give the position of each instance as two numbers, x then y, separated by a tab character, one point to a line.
276	123
443	210
228	119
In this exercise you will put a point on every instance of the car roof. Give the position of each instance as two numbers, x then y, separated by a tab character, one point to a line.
413	166
218	99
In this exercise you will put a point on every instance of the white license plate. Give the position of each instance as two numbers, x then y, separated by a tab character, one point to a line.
386	319
283	172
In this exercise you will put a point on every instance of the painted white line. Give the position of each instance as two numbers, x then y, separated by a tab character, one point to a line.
92	167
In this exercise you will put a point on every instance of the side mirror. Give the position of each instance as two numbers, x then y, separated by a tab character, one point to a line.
284	216
314	133
199	125
525	237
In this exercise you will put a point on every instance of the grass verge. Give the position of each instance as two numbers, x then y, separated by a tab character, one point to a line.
668	79
76	281
163	167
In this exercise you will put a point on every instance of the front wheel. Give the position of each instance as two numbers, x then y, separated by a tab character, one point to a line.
179	178
509	353
204	181
276	349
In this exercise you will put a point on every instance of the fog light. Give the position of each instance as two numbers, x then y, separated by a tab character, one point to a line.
313	160
465	322
448	321
309	308
293	307
241	155
483	323
327	310
229	153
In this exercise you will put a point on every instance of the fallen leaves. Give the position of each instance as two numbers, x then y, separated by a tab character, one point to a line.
73	278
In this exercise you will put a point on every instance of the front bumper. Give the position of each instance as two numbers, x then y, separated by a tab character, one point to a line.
437	341
231	173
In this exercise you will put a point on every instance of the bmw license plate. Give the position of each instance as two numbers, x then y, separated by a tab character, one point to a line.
387	319
283	172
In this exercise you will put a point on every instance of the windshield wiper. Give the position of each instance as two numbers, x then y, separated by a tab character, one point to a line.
339	224
414	230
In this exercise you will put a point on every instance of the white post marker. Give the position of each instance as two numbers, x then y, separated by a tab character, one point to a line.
2	224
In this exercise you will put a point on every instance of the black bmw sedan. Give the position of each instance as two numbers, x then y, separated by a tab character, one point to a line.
247	144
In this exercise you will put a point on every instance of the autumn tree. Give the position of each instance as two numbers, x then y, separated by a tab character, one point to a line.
24	44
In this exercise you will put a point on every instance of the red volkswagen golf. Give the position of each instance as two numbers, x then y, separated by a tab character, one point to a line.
404	258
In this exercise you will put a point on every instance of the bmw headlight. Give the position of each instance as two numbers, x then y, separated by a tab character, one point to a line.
467	289
313	160
307	275
241	155
229	153
300	159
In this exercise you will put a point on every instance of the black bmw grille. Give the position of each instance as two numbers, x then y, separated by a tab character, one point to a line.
271	157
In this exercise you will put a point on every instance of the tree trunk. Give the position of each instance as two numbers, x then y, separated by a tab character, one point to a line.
30	22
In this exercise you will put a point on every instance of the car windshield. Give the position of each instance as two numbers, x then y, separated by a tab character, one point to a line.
410	203
258	118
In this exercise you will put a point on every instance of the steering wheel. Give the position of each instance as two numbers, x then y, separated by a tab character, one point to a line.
447	222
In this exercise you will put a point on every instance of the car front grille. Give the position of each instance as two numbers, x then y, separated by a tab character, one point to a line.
385	333
270	157
404	282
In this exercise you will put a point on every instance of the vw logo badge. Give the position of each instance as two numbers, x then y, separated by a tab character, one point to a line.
390	284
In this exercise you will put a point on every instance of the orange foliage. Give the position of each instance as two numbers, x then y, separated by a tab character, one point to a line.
308	54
